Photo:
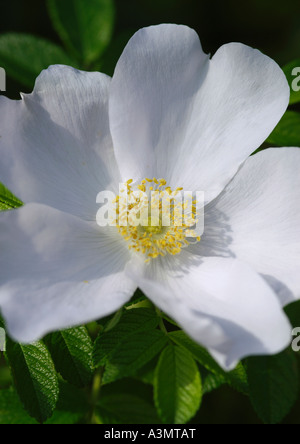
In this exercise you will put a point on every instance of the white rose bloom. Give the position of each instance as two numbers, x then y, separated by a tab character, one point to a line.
169	112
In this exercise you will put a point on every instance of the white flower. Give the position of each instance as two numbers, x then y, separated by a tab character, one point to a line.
169	112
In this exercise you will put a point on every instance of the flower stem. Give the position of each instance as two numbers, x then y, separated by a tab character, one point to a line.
95	392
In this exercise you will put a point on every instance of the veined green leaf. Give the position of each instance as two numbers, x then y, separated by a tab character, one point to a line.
236	378
177	386
287	132
132	321
71	407
127	409
273	383
127	402
292	72
72	353
212	382
35	378
113	320
85	27
133	353
24	56
7	200
146	373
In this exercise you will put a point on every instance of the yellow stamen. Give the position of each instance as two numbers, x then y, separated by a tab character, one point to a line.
150	237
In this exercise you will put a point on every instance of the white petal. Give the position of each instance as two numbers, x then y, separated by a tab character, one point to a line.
153	81
55	143
257	220
57	271
221	303
176	114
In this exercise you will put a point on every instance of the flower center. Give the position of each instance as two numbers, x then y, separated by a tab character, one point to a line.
155	220
153	226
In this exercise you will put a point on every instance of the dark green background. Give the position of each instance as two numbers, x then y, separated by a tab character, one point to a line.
272	26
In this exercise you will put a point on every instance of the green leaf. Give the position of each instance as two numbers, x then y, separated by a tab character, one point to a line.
133	353
132	321
127	402
287	132
112	321
85	27
146	373
136	299
293	77
177	386
24	56
72	405
72	353
11	409
212	382
7	200
293	312
273	383
5	377
35	378
236	378
127	409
